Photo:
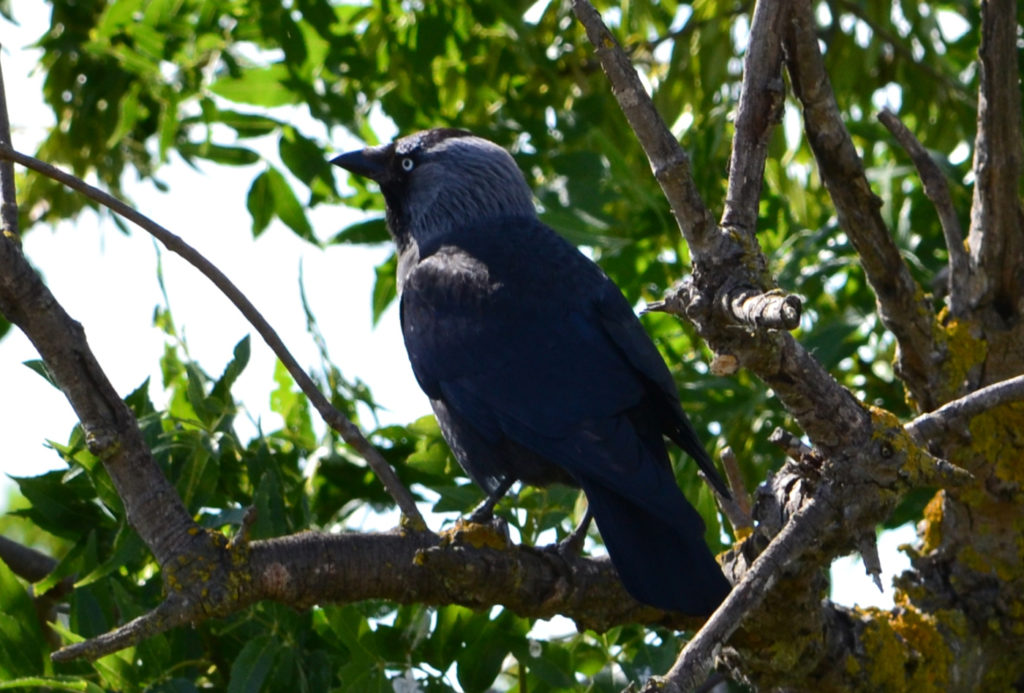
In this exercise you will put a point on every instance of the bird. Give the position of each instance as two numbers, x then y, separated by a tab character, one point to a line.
535	364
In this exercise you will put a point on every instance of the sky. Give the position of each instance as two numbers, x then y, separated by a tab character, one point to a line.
107	281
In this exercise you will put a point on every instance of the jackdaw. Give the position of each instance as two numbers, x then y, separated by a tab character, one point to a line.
535	365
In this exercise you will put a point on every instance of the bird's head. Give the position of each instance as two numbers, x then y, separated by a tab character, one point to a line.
439	180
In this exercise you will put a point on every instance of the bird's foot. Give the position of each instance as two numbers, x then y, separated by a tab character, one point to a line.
492	532
560	557
572	545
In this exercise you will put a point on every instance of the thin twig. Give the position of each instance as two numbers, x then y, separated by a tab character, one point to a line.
25	562
758	112
671	164
334	418
956	414
8	196
738	509
937	190
796	449
169	614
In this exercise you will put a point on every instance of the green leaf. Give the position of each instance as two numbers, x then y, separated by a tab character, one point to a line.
287	206
293	407
39	366
218	153
271	195
62	505
222	388
369	232
23	648
260	203
487	642
303	157
246	124
117	672
252	664
262	86
385	289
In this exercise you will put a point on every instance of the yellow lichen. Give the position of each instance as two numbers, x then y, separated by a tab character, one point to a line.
906	651
884	650
932	516
998	435
963	350
920	631
474	534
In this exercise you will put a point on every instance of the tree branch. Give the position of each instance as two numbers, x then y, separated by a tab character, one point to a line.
8	198
334	418
996	236
937	190
151	503
955	415
25	562
758	112
901	303
418	567
670	163
693	663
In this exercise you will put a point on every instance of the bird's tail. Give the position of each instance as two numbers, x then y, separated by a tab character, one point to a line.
662	561
683	434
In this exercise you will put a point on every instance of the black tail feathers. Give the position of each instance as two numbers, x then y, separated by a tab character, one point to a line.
662	561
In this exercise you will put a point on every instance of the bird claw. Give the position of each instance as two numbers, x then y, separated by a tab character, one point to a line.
571	546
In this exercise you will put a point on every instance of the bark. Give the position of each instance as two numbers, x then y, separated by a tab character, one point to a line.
954	619
997	233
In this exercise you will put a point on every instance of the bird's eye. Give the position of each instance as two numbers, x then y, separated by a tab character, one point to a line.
408	164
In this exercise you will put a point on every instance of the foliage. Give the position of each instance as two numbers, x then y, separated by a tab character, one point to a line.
225	81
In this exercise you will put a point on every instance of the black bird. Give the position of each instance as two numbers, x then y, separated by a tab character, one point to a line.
535	365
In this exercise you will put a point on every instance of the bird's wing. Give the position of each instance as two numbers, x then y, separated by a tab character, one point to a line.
636	347
507	317
521	335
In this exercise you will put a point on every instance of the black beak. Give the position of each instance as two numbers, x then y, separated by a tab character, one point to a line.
372	162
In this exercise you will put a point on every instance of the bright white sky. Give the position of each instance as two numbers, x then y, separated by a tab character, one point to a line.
107	281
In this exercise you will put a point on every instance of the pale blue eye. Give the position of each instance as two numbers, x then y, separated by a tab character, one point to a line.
408	164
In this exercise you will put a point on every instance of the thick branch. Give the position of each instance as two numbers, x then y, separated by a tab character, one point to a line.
937	190
996	237
901	304
334	418
407	568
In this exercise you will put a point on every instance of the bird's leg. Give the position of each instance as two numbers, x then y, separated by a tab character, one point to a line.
572	545
484	513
